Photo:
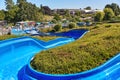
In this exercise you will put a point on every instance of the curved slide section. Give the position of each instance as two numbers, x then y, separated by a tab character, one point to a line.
15	53
108	71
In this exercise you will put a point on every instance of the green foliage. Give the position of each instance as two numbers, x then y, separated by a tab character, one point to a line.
99	16
54	21
88	8
2	15
92	50
67	15
19	1
108	26
45	38
46	30
77	13
3	37
9	4
72	25
58	27
10	15
27	10
114	7
57	17
109	14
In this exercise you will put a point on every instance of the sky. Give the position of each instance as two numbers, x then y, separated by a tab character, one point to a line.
68	4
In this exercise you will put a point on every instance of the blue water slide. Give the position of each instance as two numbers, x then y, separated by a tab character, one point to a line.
108	71
16	52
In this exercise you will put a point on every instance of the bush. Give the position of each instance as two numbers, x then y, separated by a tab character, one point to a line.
96	27
107	26
72	25
58	27
54	21
46	29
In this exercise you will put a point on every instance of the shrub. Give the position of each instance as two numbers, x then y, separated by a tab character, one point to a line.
96	27
46	29
54	21
58	27
107	26
72	25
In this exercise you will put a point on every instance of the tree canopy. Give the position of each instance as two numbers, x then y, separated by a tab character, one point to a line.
88	8
19	1
22	11
99	16
9	4
114	7
2	15
109	14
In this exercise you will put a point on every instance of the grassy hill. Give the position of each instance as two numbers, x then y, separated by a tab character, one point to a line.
95	48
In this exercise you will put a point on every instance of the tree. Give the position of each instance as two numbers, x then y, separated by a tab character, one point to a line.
109	14
72	25
99	16
77	13
9	4
108	6
88	8
19	1
28	11
54	21
67	15
58	27
2	15
114	7
57	17
10	15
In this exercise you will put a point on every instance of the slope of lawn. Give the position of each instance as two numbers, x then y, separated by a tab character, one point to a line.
4	37
95	48
45	38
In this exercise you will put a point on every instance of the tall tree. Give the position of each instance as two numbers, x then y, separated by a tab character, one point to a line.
28	11
109	14
114	7
9	4
77	13
99	16
57	17
19	1
2	15
10	15
88	8
67	15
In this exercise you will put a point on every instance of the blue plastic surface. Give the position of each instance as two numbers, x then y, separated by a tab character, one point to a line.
16	54
76	33
108	71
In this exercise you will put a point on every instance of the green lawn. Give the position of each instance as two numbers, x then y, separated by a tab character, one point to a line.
45	38
4	37
96	47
